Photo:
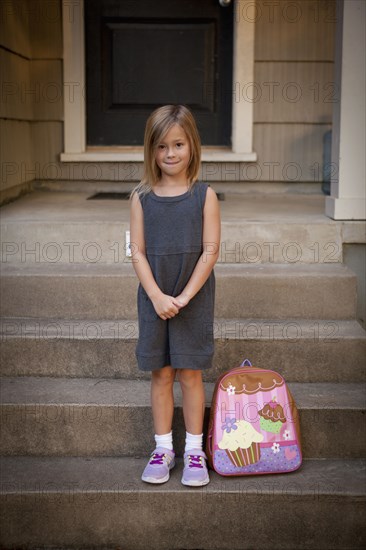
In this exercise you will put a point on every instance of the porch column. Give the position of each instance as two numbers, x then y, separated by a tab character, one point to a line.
348	185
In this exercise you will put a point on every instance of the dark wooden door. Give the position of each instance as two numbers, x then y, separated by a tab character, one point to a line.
141	54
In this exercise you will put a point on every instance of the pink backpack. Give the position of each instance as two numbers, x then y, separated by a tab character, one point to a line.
254	424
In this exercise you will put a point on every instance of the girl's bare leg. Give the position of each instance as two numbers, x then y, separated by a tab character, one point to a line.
162	400
193	399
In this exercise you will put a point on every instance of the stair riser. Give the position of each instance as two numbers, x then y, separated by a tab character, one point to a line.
107	520
314	360
241	242
127	430
248	243
249	295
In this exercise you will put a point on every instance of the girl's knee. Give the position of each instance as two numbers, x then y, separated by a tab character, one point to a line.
189	378
164	376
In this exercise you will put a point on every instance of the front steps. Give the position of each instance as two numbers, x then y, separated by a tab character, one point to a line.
103	417
64	228
75	411
97	291
307	350
102	503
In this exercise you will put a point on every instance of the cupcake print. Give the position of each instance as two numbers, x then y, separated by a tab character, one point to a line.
241	442
272	417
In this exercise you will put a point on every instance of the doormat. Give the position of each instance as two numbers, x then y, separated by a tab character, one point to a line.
110	195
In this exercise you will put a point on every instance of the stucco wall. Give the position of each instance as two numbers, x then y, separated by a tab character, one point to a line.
31	110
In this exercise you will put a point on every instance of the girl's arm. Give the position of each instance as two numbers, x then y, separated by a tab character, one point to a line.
211	248
164	305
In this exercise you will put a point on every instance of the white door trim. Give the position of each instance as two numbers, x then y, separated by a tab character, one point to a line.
74	77
75	147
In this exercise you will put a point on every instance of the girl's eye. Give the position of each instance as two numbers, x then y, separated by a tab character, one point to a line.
160	146
180	144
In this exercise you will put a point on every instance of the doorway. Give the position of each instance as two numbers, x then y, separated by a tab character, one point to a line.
141	55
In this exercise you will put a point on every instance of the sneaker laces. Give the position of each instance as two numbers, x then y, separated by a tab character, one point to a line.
195	461
157	458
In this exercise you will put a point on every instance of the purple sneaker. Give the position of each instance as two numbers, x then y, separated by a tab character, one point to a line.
195	471
158	468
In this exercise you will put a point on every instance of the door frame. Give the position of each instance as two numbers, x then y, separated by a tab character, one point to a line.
75	147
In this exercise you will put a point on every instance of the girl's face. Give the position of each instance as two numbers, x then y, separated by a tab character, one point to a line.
173	152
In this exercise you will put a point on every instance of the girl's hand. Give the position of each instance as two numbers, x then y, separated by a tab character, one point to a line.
182	299
166	306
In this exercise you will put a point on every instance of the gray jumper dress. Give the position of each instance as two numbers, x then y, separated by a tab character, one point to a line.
173	239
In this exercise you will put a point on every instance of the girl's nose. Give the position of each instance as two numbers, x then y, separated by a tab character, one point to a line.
170	153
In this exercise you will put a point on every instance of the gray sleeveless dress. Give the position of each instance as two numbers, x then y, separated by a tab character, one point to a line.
173	238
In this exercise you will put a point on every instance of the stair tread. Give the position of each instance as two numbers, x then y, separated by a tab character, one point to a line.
136	393
237	220
123	269
43	206
240	328
335	477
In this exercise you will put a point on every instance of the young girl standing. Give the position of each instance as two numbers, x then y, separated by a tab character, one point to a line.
175	239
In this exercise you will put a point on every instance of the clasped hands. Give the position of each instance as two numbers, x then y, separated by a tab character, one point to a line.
167	306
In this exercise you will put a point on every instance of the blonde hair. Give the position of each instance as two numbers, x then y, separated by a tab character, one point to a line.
157	126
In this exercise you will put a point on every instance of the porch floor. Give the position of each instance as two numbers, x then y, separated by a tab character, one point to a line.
74	206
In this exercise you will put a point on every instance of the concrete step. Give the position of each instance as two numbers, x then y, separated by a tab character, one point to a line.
242	241
50	416
256	227
96	291
94	503
315	350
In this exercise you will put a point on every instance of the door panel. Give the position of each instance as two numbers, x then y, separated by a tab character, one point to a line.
149	53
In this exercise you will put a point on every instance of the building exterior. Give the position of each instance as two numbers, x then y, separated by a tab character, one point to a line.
285	90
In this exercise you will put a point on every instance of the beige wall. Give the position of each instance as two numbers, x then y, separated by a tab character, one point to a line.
31	82
293	96
294	85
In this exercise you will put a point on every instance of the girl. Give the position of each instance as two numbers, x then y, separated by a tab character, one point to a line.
175	236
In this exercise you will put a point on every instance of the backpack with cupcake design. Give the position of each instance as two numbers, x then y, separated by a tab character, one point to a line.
254	424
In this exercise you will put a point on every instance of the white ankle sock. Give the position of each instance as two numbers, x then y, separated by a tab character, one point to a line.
165	440
193	442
